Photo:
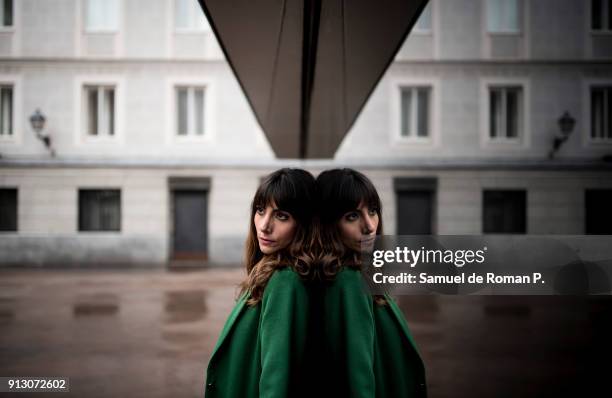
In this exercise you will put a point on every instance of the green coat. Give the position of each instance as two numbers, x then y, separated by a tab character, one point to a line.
370	351
260	352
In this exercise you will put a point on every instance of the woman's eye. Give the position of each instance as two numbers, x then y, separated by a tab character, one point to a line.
260	210
373	212
282	216
351	216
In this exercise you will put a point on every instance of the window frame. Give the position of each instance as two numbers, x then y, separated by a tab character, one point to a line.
397	86
521	21
95	188
524	139
426	32
587	140
172	136
82	136
16	138
10	28
16	230
484	190
190	30
604	31
116	29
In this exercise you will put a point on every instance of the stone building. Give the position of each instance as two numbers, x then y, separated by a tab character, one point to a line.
154	153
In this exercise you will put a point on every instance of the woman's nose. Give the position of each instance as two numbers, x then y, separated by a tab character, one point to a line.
265	224
368	224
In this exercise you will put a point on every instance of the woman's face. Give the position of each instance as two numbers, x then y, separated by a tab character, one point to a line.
358	227
275	228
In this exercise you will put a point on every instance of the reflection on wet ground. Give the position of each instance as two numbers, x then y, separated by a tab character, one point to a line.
141	333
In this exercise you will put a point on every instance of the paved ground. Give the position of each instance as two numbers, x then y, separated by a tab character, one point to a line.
149	334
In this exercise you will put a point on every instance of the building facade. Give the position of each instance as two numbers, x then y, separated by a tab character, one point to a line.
153	153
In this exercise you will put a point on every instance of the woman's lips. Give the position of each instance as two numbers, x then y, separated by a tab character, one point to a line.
368	241
266	242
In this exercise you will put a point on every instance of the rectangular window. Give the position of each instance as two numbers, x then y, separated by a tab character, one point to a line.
504	211
101	15
100	109
423	24
188	15
415	111
6	111
99	210
601	15
601	113
8	209
503	16
6	13
505	112
190	110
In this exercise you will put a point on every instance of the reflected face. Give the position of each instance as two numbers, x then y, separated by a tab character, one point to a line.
358	227
275	228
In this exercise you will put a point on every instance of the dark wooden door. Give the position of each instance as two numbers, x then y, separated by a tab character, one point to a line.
414	212
190	221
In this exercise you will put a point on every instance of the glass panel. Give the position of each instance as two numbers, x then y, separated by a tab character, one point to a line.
511	16
494	22
6	111
596	14
8	209
406	108
423	112
424	21
198	19
181	14
512	113
109	110
181	107
92	110
596	113
7	13
99	210
102	14
608	100
494	113
199	110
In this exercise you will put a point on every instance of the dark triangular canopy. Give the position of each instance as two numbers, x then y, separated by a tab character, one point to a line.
307	67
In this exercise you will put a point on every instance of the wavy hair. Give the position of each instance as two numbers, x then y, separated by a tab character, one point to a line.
340	191
291	190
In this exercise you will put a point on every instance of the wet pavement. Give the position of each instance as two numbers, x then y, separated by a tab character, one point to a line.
143	333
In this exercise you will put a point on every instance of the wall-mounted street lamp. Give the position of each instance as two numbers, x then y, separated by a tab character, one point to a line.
37	120
566	126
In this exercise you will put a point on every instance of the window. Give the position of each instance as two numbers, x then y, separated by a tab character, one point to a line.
505	112
6	111
504	211
415	111
190	110
8	209
101	15
99	209
503	16
601	15
100	110
598	211
188	15
6	13
601	113
423	24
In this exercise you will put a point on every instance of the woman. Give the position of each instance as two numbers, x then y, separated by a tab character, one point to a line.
261	349
369	349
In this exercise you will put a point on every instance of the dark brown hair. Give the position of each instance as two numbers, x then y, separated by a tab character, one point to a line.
291	190
340	191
